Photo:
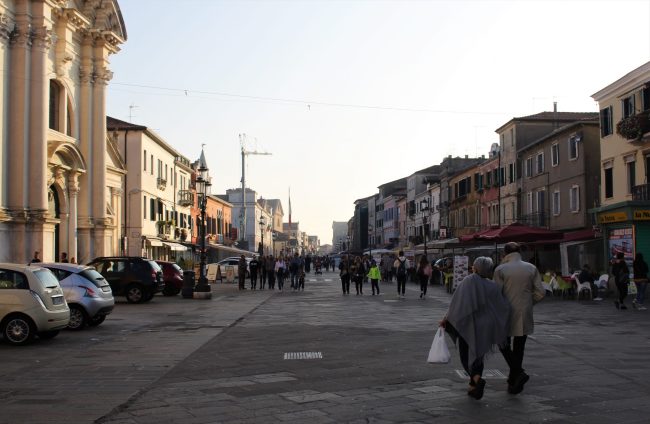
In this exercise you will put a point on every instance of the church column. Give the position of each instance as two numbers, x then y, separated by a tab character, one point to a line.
116	204
102	76
38	108
17	167
5	33
73	192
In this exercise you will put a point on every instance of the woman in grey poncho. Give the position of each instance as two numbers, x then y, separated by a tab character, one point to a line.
478	318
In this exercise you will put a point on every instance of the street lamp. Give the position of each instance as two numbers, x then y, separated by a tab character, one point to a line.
424	207
262	225
202	290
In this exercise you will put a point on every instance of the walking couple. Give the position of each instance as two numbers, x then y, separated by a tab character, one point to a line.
485	313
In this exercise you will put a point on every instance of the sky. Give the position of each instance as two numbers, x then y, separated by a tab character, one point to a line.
349	95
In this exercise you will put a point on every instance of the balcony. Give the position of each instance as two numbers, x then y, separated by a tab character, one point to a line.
185	198
538	219
161	183
641	192
635	127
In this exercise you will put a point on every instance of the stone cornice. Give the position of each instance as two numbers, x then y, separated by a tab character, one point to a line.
21	35
5	28
42	37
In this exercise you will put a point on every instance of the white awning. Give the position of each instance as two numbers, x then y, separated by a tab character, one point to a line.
175	246
154	242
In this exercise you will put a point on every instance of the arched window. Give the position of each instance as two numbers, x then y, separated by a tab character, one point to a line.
55	105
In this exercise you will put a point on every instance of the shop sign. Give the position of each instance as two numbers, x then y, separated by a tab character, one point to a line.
605	218
642	215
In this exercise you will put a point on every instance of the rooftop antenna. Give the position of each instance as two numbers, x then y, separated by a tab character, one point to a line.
244	153
131	107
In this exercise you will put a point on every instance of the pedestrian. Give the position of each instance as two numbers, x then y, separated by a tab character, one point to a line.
621	274
522	285
241	272
641	280
424	273
263	271
344	273
477	321
64	257
253	266
301	281
280	268
374	274
294	268
270	272
401	265
308	263
73	260
35	259
357	273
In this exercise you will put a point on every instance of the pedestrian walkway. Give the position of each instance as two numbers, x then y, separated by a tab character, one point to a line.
320	357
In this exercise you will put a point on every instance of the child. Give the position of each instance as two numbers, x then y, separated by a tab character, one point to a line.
301	281
374	274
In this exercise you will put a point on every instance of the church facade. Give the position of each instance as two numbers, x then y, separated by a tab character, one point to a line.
61	175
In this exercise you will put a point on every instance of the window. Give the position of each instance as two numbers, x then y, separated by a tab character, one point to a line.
502	176
609	183
145	160
573	148
628	106
152	209
574	198
539	163
556	202
12	280
606	122
555	154
529	167
160	168
511	173
631	176
529	202
151	168
645	96
144	207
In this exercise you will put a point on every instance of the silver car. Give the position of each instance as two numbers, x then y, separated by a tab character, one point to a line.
88	294
31	303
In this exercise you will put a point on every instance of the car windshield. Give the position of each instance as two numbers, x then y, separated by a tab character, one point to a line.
46	278
155	266
94	277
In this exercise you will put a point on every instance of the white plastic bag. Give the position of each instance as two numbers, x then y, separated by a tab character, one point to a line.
439	353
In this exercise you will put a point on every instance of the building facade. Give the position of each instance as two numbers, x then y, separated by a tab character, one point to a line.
61	183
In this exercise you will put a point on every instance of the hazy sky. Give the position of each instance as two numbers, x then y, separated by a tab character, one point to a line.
348	95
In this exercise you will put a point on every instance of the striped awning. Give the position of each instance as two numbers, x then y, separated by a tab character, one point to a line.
154	242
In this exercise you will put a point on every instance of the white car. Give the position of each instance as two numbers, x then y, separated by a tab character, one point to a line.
31	303
234	261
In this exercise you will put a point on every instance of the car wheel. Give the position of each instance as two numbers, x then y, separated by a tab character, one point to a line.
77	318
46	335
96	320
135	294
18	330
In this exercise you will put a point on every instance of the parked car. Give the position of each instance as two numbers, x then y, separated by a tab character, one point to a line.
88	294
31	304
139	279
234	261
172	277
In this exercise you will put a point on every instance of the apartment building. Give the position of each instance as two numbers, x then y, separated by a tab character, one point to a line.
624	214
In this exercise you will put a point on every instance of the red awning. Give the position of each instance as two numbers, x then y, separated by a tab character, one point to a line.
519	233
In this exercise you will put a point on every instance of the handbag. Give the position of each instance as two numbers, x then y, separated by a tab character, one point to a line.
631	288
439	353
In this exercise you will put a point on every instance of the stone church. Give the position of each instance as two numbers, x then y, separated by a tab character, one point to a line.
61	176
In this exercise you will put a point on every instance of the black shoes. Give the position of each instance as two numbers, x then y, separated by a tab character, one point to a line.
478	389
516	384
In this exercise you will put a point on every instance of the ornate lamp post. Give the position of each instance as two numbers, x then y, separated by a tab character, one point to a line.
262	226
202	290
424	207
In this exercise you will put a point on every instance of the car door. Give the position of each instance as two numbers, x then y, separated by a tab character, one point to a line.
114	271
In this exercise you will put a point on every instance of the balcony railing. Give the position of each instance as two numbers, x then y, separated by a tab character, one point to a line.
185	198
538	219
641	192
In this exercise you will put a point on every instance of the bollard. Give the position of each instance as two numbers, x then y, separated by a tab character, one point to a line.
188	284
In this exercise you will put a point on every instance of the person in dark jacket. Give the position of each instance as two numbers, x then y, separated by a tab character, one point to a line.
253	266
241	272
640	280
344	273
621	274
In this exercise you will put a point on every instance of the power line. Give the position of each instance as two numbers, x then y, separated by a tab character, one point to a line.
308	103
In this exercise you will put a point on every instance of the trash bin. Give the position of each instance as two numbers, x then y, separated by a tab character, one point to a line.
188	284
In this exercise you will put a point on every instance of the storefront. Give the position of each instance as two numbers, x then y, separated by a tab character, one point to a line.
625	228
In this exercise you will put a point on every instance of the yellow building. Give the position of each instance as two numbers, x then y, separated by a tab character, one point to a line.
624	212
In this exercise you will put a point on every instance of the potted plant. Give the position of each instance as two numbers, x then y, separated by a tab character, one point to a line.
631	127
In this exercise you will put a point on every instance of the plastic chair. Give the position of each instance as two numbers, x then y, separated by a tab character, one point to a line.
546	282
563	286
602	285
581	286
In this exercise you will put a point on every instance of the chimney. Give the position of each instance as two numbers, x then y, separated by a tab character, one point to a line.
555	122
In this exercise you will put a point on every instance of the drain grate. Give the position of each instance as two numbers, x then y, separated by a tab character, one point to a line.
303	355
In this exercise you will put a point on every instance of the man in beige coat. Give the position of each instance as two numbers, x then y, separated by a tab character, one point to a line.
522	285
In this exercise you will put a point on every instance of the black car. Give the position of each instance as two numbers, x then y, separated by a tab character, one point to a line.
139	279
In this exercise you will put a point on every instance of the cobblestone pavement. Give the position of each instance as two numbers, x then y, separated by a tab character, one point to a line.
320	357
